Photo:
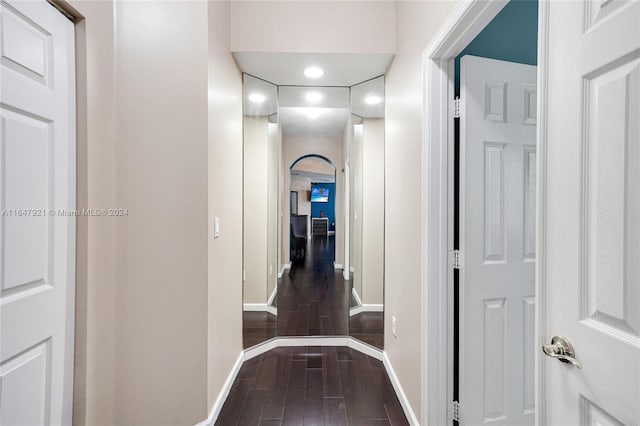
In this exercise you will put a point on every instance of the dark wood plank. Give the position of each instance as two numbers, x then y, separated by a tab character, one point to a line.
271	422
355	404
395	413
293	414
314	412
331	373
252	408
314	383
274	405
232	407
335	412
374	403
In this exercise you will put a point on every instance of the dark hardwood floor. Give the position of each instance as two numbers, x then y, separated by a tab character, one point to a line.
257	327
313	298
298	386
368	327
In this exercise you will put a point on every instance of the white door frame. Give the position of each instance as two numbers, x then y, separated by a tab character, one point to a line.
465	22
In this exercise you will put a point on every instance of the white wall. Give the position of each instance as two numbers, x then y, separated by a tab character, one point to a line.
313	26
256	191
372	211
161	246
416	23
146	352
225	201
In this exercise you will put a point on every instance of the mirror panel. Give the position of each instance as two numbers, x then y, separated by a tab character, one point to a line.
261	139
313	183
366	314
313	297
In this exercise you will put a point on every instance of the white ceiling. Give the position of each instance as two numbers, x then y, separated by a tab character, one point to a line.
340	69
295	96
331	121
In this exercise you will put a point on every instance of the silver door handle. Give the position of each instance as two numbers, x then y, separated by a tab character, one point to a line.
562	349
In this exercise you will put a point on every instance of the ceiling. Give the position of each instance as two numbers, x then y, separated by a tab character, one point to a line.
347	81
330	121
340	69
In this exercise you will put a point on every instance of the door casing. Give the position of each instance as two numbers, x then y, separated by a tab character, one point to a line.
465	22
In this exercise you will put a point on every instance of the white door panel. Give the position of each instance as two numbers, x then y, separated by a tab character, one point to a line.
37	244
593	212
497	237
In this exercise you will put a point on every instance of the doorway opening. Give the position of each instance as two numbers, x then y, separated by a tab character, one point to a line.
484	195
312	186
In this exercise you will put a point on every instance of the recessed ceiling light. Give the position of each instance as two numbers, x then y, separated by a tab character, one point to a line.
314	72
313	113
373	100
314	96
257	98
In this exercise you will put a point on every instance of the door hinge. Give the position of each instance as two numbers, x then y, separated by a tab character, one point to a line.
455	411
457	260
457	107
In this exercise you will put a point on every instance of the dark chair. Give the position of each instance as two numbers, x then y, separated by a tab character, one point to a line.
298	237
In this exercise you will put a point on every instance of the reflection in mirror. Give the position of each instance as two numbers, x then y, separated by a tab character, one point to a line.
262	136
313	297
366	212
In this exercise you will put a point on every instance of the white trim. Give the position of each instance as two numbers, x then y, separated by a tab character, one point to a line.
274	293
366	308
259	307
541	206
356	296
337	265
224	392
466	21
406	406
284	267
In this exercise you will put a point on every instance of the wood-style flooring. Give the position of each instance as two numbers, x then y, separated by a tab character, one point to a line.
313	298
368	327
300	386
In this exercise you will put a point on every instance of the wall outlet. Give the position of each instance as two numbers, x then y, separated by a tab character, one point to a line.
270	270
394	326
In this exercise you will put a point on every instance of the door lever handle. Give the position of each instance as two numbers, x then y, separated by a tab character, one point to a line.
561	349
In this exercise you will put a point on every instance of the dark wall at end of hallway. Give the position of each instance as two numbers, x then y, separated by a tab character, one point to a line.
511	36
328	208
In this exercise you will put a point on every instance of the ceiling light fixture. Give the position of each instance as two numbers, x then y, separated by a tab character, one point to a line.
373	100
313	113
314	96
314	72
257	98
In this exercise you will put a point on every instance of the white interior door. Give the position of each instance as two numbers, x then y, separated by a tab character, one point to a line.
592	213
497	239
37	177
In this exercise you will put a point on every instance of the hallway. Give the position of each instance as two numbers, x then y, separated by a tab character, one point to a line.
313	298
296	386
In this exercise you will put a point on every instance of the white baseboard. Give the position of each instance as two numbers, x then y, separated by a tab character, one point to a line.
406	406
337	265
259	307
224	392
356	296
284	267
274	293
366	307
310	341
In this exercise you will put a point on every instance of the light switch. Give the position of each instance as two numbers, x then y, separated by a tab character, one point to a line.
216	227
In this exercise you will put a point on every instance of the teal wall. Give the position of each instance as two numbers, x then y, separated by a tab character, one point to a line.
511	36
